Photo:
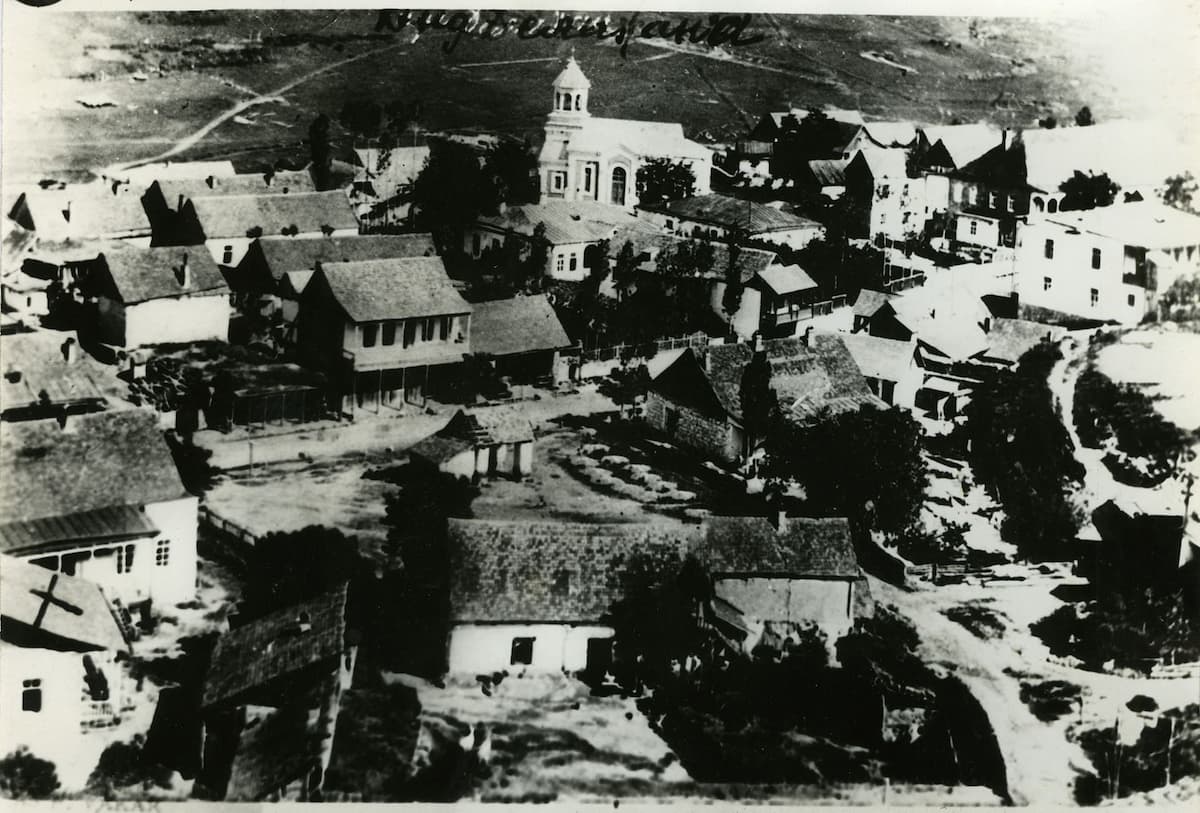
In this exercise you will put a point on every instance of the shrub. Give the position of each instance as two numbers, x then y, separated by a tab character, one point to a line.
24	776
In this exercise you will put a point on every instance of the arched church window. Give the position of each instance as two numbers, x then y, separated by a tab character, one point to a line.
619	179
1052	206
578	101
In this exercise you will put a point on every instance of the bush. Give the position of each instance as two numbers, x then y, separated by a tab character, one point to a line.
1171	748
24	776
123	765
1050	699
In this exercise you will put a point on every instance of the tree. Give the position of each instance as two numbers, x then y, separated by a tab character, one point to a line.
626	264
450	192
24	776
628	385
662	179
1087	191
816	136
1048	123
759	403
866	465
286	568
534	268
1084	117
124	764
731	301
513	167
840	267
363	117
321	151
1180	191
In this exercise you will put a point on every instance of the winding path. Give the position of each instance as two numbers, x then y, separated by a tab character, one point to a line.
189	141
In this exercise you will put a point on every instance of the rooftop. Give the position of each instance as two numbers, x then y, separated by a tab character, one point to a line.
877	357
214	185
127	459
649	139
884	163
733	213
565	221
1144	224
1009	339
310	212
375	290
53	610
828	171
964	142
786	279
277	645
804	547
891	133
36	363
303	253
85	211
142	274
522	324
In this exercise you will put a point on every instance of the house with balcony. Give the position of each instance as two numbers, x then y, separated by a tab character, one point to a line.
98	496
1110	263
886	204
63	683
940	150
385	332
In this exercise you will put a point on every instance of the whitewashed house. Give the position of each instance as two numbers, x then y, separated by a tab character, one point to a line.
721	217
61	675
889	365
1108	263
534	597
98	496
587	158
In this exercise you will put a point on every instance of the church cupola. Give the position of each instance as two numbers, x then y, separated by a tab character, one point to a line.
571	90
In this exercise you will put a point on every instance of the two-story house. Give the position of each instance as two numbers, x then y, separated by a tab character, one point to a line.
886	204
384	331
1109	263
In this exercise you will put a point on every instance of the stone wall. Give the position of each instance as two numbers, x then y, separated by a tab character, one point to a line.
717	439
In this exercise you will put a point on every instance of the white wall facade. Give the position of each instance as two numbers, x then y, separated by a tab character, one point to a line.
977	230
185	319
827	603
479	648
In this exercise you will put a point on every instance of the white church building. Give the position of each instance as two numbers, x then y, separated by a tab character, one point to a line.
586	158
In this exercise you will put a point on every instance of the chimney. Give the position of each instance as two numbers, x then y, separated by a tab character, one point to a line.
806	338
707	361
67	212
759	344
184	275
179	206
70	350
211	181
780	519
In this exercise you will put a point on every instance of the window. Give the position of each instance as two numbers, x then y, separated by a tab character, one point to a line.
974	227
124	558
227	255
31	695
579	102
1049	250
1132	300
444	328
162	553
369	334
965	194
884	191
1095	258
389	334
562	584
558	181
672	416
670	224
1046	282
475	244
1095	297
1011	203
1052	206
587	179
559	262
410	332
993	200
522	652
573	263
1039	204
618	186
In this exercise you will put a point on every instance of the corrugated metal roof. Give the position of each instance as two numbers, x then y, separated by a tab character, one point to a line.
114	522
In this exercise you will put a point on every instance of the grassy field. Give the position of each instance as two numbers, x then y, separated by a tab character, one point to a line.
167	75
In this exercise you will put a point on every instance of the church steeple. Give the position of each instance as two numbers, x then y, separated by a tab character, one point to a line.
571	91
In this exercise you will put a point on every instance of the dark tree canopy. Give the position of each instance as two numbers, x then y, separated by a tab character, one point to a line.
840	267
513	167
1087	191
321	151
731	300
759	402
1180	191
286	568
451	191
1084	117
663	179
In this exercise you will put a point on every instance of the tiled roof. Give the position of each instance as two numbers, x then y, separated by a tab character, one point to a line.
142	274
439	447
752	546
786	279
373	290
277	645
733	213
93	627
750	261
1009	339
506	571
124	453
89	211
522	324
34	363
565	221
114	522
236	215
302	254
828	171
1145	224
878	357
869	301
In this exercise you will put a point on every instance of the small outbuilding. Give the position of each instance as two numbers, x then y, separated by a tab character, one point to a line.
486	443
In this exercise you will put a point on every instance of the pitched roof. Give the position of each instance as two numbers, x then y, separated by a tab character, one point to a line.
752	546
125	455
963	142
373	290
551	572
1145	224
786	279
400	166
828	171
1009	339
85	623
572	76
891	133
878	357
647	139
212	185
884	163
142	274
440	447
836	113
522	324
236	215
806	378
87	211
276	646
565	221
750	262
870	301
276	749
303	253
733	213
35	362
117	522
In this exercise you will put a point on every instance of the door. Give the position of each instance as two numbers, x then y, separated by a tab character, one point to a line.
599	656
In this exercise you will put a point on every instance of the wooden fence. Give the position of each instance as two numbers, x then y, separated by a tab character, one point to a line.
225	529
647	349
